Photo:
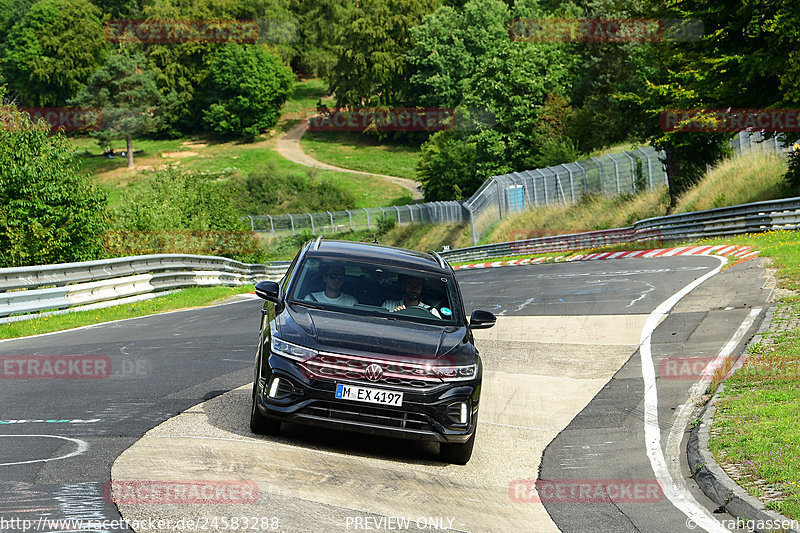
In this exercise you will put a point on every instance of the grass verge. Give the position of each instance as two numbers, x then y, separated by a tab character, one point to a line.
363	152
183	299
757	423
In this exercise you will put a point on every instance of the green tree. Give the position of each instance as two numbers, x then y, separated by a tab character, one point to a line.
371	69
52	51
126	94
248	85
446	167
49	212
319	25
514	83
448	45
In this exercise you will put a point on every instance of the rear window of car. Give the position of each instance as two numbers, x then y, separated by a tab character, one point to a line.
374	289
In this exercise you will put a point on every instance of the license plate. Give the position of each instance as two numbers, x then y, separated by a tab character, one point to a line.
364	394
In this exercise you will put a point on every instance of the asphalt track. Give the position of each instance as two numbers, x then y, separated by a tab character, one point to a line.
562	378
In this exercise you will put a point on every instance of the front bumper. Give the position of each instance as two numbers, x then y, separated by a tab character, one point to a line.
423	415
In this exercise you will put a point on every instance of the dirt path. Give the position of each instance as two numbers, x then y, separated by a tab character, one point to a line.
288	145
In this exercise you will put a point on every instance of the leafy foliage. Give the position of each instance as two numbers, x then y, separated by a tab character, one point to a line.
49	213
52	51
269	191
370	69
447	46
248	85
174	200
126	94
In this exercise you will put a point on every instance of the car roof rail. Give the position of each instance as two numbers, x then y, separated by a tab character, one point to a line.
439	259
316	243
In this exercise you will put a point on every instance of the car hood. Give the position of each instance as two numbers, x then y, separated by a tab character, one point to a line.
383	338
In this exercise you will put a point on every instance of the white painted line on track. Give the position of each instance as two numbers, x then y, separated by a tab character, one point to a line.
673	447
680	496
82	447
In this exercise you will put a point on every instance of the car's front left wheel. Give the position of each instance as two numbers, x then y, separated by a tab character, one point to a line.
259	423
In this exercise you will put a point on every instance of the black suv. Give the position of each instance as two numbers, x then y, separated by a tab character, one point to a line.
372	339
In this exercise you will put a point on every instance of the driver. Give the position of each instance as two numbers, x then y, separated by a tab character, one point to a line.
412	288
333	278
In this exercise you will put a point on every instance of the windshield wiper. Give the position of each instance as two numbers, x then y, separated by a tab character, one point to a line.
306	303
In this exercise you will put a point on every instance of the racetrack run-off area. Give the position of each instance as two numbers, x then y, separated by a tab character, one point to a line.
563	400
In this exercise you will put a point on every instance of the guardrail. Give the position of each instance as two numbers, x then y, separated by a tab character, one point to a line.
62	286
746	218
108	282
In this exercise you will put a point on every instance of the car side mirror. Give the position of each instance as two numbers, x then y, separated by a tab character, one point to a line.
481	319
269	290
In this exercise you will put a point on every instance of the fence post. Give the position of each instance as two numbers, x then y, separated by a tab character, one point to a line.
585	183
350	215
271	225
499	199
633	171
398	214
600	168
368	226
649	167
571	187
410	213
544	186
252	227
313	231
333	230
616	171
291	219
471	224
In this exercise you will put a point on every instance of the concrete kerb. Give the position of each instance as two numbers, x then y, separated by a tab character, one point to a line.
713	480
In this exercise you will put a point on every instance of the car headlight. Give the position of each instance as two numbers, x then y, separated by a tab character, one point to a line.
456	373
291	351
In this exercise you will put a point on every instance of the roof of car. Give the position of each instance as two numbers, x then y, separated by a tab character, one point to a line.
375	253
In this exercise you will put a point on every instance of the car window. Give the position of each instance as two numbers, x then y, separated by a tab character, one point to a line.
367	288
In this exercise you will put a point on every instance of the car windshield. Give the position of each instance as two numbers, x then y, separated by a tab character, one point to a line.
368	288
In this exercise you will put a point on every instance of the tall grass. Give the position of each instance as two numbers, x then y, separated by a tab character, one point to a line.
752	177
749	178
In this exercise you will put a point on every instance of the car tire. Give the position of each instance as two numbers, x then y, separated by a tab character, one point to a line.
260	424
457	453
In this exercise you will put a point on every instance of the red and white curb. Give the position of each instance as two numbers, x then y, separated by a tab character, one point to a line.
740	252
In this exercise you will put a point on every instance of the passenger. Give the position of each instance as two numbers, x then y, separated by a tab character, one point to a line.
333	278
412	289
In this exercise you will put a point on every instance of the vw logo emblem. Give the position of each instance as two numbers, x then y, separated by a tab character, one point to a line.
373	372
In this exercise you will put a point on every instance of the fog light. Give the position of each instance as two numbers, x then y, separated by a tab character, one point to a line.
458	413
273	389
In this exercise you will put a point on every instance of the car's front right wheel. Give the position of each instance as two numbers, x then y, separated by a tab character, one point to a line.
259	423
457	453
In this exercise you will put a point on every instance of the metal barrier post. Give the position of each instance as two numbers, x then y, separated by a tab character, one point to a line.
292	221
350	215
313	232
368	226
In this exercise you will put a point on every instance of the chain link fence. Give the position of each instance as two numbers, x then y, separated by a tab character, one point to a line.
614	174
359	219
607	175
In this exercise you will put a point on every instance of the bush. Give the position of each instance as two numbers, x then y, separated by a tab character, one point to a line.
49	212
268	190
172	200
